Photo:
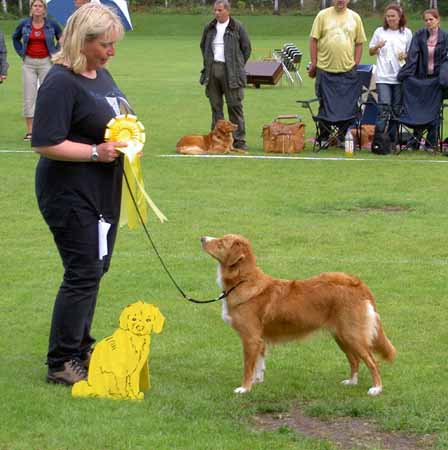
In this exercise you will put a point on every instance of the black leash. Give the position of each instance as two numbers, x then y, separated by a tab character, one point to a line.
184	295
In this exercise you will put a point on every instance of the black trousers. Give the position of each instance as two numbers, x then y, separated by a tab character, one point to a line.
216	89
75	302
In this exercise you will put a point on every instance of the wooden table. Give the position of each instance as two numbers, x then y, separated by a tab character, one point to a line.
263	72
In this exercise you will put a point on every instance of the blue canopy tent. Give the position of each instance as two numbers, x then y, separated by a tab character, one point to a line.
61	10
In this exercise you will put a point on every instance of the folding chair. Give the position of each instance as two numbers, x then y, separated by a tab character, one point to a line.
339	97
368	104
422	112
290	57
443	139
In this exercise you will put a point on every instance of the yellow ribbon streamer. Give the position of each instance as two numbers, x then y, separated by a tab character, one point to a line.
126	128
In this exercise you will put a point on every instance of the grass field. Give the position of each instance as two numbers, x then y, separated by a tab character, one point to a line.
381	218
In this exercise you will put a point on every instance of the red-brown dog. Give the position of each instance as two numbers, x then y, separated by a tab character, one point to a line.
220	140
264	310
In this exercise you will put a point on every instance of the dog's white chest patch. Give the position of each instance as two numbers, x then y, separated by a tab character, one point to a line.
224	306
219	277
225	312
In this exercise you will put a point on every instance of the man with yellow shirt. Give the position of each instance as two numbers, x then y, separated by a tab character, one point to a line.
336	42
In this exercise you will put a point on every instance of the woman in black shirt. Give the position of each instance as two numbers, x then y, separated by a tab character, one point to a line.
78	178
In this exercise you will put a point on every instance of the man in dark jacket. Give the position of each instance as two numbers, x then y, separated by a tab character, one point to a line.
226	48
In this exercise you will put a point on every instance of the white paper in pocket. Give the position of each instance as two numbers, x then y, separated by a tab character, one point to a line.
103	229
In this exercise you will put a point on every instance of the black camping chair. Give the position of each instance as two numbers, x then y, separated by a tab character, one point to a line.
340	100
422	112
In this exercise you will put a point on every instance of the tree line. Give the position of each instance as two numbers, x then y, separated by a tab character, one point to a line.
21	8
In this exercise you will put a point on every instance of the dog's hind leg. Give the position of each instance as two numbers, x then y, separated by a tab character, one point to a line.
369	360
252	348
353	361
371	363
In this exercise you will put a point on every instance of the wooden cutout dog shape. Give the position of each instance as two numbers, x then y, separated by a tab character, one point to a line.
119	365
266	310
220	140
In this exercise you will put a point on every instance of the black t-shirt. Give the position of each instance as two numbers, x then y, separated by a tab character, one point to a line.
76	108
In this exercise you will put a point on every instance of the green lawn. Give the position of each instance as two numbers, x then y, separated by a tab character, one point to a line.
381	218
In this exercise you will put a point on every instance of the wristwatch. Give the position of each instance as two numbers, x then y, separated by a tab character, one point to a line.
94	156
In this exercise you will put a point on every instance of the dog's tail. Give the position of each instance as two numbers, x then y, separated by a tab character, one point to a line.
382	345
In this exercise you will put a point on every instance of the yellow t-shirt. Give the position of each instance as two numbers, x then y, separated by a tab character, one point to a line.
336	34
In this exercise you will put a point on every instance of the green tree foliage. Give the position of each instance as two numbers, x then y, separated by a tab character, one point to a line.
301	6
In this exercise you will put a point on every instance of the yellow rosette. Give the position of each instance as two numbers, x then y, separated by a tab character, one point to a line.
126	128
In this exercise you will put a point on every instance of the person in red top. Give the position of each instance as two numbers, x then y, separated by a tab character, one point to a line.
35	40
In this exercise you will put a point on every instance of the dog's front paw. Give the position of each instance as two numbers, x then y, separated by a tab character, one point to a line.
350	382
240	390
375	390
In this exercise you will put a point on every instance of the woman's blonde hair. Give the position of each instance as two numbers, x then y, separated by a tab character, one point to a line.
44	2
86	24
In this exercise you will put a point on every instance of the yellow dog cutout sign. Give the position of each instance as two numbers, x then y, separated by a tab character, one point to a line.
119	365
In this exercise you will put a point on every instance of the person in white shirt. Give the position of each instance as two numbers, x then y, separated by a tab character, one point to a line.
390	43
225	48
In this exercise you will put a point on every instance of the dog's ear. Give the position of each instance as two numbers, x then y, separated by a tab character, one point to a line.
124	316
159	319
236	254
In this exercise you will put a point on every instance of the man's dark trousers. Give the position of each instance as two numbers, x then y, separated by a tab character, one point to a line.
218	87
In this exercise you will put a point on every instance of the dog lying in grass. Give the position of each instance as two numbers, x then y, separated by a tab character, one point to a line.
220	140
266	310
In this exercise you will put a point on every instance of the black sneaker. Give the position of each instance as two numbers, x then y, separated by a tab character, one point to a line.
27	137
73	372
241	146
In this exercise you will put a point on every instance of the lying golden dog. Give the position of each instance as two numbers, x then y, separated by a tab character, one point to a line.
220	140
264	310
119	364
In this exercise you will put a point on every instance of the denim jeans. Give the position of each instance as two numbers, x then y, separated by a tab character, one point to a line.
391	95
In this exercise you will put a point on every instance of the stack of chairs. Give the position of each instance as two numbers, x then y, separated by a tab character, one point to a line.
290	57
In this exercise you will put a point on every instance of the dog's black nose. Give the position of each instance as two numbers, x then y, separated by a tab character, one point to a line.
203	239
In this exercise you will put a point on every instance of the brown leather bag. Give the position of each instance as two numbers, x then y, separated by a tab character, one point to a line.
284	137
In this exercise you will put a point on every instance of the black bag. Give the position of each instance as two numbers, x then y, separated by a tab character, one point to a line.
381	144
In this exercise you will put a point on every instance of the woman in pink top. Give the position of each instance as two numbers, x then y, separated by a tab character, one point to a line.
428	51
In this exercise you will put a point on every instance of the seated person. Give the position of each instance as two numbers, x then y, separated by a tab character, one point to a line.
428	51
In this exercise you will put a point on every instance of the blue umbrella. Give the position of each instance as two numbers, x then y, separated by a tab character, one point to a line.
61	10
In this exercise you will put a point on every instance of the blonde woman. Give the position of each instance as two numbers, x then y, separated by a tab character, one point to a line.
79	177
35	40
